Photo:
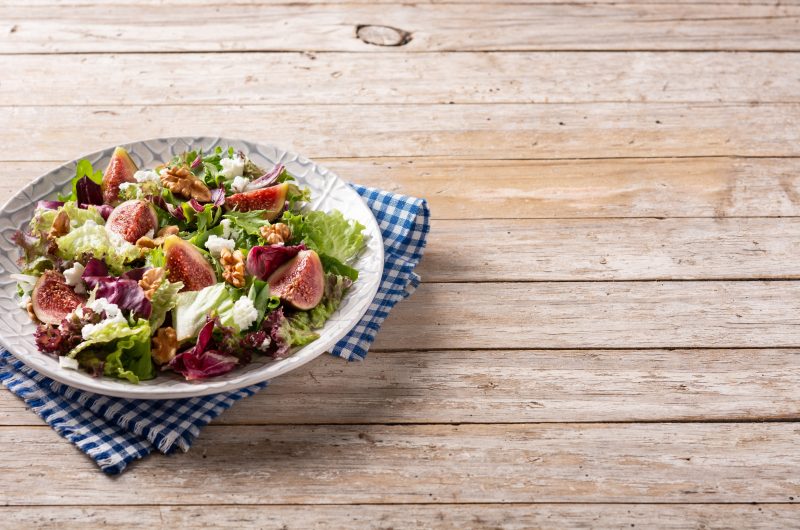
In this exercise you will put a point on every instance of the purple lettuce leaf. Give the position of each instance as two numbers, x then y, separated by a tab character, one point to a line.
201	361
267	179
49	205
262	261
196	206
174	211
273	325
88	191
124	291
218	196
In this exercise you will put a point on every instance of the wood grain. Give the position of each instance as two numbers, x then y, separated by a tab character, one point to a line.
516	386
474	516
596	315
477	27
474	131
424	464
463	188
335	78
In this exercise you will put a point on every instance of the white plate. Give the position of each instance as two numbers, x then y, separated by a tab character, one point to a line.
328	192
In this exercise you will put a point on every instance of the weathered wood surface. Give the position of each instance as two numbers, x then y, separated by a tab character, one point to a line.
672	462
597	315
463	188
375	517
519	386
334	78
601	130
422	27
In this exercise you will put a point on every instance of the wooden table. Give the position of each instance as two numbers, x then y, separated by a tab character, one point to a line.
607	334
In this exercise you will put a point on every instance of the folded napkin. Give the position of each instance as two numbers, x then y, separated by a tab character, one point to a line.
116	431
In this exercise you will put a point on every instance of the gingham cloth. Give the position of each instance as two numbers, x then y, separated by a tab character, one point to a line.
115	431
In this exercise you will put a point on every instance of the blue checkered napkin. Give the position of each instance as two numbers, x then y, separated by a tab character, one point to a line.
115	431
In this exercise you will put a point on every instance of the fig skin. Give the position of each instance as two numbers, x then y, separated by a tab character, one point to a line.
53	299
270	199
184	263
132	220
300	281
120	169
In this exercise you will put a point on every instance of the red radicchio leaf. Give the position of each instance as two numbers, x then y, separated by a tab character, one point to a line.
88	191
267	179
104	209
197	162
174	211
196	205
199	362
218	196
262	261
49	205
124	291
279	343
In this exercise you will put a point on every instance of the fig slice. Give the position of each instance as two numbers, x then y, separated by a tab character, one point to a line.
120	169
270	199
184	263
53	299
132	220
300	281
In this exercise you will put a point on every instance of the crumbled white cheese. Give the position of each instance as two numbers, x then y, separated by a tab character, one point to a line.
145	175
215	244
125	186
113	314
244	312
232	167
24	300
239	184
73	277
226	228
265	344
122	246
67	363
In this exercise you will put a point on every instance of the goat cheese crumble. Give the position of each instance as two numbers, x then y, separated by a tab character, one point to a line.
244	313
215	244
73	276
232	167
113	314
239	184
146	175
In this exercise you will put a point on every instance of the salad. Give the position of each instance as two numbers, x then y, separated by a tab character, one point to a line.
194	267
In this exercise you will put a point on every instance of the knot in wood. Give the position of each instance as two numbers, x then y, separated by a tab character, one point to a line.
382	35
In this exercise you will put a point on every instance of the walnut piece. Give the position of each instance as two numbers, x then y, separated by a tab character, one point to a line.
60	225
276	234
165	345
31	313
232	267
151	281
148	242
180	180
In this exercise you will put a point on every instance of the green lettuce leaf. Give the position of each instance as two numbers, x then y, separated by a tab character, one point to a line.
42	220
335	289
124	351
164	299
328	233
192	308
92	238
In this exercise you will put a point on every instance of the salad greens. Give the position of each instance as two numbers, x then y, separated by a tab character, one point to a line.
193	267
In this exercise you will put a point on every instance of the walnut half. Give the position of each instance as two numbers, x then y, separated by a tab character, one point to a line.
232	267
180	180
165	345
151	281
276	234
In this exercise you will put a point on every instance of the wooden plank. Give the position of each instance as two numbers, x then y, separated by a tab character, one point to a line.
460	188
533	77
474	131
611	249
423	464
477	27
513	386
596	315
476	516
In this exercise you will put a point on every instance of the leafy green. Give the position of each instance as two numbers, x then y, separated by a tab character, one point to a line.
124	350
82	169
92	238
155	257
328	233
259	294
249	222
297	330
334	266
164	299
43	219
192	308
335	289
